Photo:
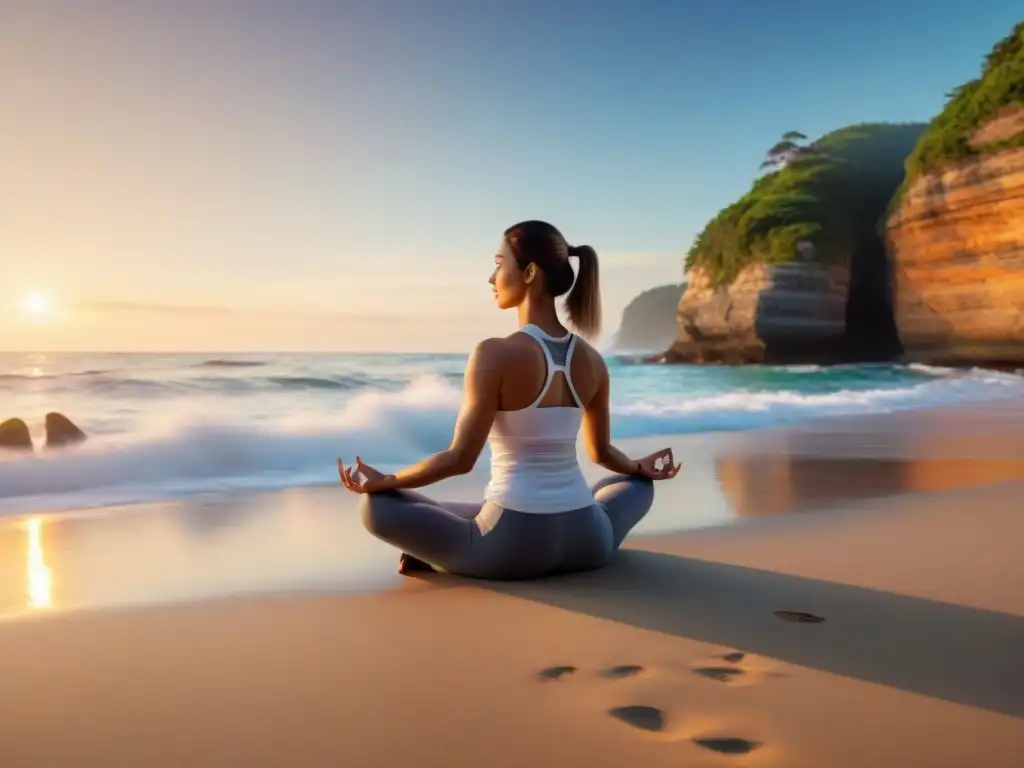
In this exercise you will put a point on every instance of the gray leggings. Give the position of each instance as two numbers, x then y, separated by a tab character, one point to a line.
491	542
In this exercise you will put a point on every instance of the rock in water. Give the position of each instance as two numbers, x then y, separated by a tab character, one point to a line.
61	431
14	436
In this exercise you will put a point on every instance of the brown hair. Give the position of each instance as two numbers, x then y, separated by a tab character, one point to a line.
542	244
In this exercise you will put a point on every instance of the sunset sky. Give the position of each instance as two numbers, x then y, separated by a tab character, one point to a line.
300	174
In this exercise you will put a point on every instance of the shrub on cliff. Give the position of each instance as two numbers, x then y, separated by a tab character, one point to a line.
831	194
970	106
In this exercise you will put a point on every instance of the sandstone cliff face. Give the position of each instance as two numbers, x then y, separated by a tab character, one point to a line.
957	247
791	312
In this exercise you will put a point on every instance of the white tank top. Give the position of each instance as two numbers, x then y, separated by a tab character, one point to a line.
534	467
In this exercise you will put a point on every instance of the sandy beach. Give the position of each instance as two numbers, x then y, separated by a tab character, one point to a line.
898	560
248	246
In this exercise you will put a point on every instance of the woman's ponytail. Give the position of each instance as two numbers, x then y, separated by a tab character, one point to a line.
584	300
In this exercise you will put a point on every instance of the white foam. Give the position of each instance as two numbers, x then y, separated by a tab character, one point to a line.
390	429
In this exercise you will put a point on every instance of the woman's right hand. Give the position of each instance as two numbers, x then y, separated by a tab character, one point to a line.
660	465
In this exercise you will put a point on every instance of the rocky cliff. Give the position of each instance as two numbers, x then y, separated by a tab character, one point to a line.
875	239
795	270
956	241
769	313
649	320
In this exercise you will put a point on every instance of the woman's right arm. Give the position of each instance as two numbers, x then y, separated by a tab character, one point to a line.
597	430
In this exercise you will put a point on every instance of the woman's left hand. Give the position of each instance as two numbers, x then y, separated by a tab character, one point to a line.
372	480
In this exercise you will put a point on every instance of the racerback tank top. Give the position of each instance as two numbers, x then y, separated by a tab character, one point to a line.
534	464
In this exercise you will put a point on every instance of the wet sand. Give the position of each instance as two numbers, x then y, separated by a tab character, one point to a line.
884	629
841	460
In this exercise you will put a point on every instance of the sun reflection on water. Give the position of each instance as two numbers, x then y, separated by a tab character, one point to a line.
39	585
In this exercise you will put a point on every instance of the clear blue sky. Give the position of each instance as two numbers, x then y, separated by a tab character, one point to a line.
263	174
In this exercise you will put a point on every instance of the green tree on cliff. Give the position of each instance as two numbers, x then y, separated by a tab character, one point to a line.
785	150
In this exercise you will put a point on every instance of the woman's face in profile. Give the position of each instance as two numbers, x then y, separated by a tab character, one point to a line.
507	281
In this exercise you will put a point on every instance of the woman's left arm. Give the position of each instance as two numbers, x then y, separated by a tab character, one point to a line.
479	405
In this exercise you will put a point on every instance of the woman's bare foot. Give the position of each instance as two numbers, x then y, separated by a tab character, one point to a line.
409	564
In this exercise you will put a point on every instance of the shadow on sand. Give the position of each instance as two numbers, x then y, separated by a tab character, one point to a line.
955	653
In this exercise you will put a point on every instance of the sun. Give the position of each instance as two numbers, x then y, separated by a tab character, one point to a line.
37	306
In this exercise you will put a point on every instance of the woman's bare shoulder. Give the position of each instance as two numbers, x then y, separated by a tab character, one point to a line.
593	359
500	351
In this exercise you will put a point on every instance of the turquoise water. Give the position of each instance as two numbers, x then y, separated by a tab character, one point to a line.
168	426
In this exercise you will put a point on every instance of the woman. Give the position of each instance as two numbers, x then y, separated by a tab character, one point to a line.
529	394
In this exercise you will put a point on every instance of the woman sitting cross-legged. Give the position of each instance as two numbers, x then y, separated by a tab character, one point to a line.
528	394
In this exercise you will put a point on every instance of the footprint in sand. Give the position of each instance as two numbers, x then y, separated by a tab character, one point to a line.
640	716
721	674
555	673
727	745
800	617
735	669
623	670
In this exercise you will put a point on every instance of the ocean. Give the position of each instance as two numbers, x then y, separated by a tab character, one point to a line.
175	426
